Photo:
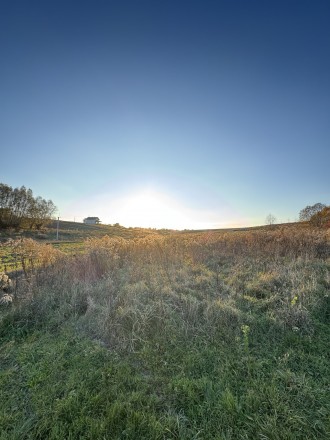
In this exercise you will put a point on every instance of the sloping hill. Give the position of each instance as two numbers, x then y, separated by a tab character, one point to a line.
80	231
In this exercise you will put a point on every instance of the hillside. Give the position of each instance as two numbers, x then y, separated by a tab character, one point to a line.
75	231
72	237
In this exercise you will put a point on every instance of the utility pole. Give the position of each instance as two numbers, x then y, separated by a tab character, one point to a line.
58	225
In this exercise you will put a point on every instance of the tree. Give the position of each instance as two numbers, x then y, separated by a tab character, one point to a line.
321	218
19	208
270	219
40	212
307	213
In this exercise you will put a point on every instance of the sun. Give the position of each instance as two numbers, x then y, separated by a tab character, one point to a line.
152	209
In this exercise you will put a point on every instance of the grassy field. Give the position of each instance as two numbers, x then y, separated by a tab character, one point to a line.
71	239
204	335
71	231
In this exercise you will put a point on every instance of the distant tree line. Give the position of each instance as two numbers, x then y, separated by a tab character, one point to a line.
20	209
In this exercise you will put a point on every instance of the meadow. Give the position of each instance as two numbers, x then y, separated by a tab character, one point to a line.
193	335
70	240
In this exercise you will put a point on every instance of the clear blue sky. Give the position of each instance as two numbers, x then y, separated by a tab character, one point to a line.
167	113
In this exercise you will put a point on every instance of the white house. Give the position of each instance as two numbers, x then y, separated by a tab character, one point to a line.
92	221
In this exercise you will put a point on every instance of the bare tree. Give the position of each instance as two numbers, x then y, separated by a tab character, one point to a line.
271	219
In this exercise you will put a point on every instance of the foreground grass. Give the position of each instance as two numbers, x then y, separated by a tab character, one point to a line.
168	339
63	386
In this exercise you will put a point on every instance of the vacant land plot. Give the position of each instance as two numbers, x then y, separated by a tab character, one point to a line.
186	336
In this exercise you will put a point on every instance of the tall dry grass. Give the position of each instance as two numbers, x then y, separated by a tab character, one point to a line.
127	293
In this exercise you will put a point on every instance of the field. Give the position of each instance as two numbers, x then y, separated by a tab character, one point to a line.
71	240
159	335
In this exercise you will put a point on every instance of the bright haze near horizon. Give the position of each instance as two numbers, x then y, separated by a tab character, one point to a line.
175	114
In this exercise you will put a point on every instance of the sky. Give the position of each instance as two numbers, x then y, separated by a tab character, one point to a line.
178	114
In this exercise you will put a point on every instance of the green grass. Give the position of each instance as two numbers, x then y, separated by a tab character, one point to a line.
7	260
168	339
56	384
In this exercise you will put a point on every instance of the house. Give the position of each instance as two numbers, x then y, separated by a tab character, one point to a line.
92	221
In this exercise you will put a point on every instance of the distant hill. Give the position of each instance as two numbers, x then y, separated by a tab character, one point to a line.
76	231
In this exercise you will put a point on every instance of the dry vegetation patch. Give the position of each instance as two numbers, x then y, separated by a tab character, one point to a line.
225	333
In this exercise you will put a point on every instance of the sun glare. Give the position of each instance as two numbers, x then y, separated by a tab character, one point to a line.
151	209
